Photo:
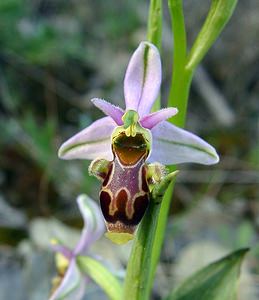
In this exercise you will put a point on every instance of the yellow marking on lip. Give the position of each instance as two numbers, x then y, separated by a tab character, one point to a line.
112	206
119	238
140	178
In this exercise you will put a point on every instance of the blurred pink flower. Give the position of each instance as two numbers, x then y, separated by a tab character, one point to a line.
73	282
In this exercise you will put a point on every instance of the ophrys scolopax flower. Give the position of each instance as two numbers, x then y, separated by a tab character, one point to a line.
122	143
70	282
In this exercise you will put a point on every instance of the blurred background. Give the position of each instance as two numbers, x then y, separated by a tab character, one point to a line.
55	55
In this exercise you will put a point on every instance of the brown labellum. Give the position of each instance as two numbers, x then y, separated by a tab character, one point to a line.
124	195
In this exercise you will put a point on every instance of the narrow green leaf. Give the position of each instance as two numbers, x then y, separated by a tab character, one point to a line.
102	276
218	16
144	258
217	281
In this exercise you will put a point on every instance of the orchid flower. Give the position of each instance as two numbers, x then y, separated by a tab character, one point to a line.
122	142
71	282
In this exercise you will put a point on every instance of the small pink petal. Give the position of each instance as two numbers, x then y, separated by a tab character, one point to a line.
92	142
143	79
173	145
109	109
151	120
94	226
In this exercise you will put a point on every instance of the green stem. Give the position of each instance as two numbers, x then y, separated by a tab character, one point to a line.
178	97
148	242
179	36
181	78
145	254
154	32
139	277
183	69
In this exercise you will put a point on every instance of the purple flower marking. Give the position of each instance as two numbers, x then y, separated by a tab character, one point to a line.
170	144
73	283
